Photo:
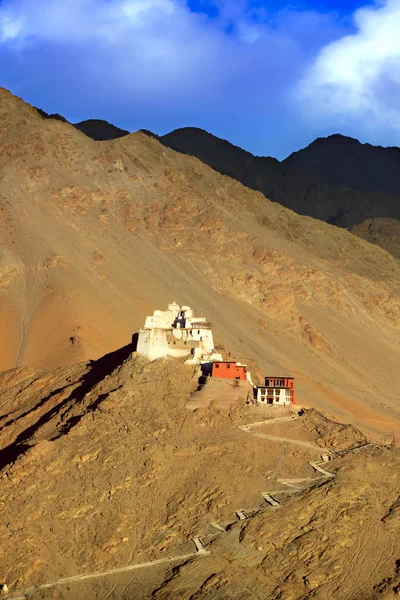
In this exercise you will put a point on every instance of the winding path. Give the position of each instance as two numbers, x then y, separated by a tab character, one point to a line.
199	548
200	551
276	438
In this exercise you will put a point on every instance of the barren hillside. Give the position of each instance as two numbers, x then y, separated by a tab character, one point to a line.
95	235
107	480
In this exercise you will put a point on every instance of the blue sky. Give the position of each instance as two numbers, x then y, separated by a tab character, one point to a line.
269	76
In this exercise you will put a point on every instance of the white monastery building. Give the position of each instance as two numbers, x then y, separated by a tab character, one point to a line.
177	332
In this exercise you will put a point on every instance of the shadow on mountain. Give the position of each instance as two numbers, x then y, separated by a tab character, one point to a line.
77	402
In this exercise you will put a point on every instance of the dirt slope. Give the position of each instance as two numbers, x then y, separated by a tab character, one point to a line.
338	541
102	467
95	235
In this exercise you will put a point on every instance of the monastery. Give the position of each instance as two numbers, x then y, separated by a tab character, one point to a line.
176	332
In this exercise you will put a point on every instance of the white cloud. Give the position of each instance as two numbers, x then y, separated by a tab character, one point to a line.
155	41
157	64
358	76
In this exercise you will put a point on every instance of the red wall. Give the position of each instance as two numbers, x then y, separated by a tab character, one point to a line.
228	370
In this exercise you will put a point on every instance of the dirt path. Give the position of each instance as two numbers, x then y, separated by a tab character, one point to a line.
200	551
267	436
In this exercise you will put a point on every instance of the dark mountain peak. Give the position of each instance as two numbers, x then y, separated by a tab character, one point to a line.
338	139
149	133
97	129
222	156
100	130
193	131
199	142
344	161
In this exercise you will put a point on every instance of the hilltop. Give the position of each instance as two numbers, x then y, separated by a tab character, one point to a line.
96	235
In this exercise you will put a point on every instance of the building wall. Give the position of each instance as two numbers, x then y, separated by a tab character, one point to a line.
152	343
157	339
277	396
228	370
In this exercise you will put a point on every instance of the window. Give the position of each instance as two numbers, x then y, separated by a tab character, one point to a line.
228	366
216	366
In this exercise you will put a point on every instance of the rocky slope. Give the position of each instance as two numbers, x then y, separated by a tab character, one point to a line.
95	236
323	181
102	467
302	182
338	541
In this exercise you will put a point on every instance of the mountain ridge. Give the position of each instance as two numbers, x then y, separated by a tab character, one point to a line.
323	188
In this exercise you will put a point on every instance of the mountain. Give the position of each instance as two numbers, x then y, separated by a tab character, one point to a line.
293	183
95	236
100	130
335	179
97	129
110	487
342	161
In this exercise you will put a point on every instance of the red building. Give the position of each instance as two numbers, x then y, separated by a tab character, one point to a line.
229	370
